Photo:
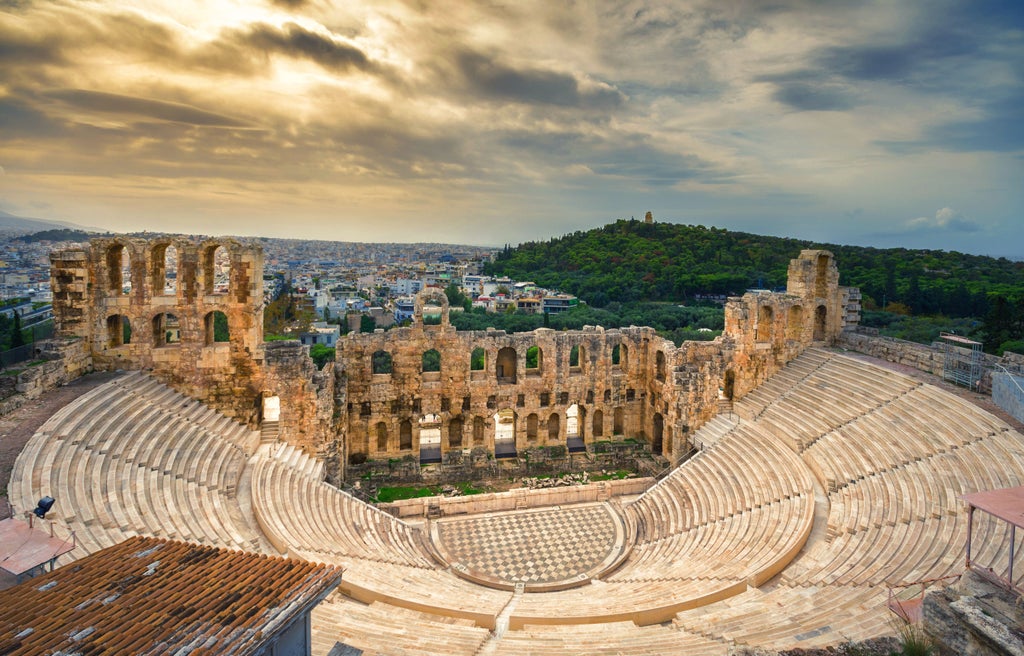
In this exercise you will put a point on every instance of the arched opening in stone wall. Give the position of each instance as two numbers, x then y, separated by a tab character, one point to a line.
381	363
119	330
618	421
382	437
478	431
617	355
531	427
598	427
430	439
478	360
505	434
405	435
821	277
216	327
163	279
554	426
576	356
659	365
455	433
572	421
820	323
119	270
729	385
505	366
795	322
216	269
624	357
575	420
659	432
431	361
534	361
765	317
166	330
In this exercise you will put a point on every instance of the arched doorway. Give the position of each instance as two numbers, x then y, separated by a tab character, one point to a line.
505	365
430	439
574	418
659	432
505	434
820	323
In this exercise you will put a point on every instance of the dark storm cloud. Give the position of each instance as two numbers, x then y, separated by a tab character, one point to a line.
295	41
113	103
487	77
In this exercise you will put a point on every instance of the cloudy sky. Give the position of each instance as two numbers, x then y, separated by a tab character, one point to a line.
878	123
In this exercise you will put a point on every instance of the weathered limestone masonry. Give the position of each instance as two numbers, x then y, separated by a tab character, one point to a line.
547	387
425	389
150	319
62	360
924	357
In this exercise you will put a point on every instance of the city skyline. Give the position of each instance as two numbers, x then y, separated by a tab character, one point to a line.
863	123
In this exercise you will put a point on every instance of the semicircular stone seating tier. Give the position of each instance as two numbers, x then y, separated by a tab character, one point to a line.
834	479
132	457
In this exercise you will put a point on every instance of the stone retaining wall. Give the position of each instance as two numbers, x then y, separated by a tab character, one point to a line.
1007	394
517	499
63	360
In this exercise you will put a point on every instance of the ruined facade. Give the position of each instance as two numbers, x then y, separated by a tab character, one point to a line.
425	390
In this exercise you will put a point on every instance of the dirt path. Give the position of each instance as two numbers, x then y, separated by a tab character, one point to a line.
17	427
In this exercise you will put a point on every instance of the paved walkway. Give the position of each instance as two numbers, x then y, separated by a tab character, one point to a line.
17	427
540	546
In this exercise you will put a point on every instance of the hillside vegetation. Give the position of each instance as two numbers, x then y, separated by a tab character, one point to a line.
632	261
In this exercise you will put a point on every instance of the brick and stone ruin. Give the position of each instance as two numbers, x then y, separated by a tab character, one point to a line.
828	489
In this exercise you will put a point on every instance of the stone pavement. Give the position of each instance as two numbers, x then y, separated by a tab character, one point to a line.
549	546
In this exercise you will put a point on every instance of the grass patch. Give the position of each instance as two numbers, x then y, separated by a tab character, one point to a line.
398	493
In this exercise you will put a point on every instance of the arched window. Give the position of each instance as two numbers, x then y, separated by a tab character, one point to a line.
381	362
118	267
534	360
455	433
166	330
795	322
478	359
607	396
505	366
163	278
574	356
765	318
598	428
618	421
216	269
478	431
405	435
119	330
531	426
382	436
616	354
431	360
217	330
821	277
659	360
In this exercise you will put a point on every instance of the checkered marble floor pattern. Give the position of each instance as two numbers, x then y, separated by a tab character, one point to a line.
531	546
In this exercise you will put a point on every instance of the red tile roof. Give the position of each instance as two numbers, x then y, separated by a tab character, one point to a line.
148	595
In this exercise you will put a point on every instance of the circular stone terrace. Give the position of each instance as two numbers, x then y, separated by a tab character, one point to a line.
543	549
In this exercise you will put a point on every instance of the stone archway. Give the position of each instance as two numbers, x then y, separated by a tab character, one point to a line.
421	302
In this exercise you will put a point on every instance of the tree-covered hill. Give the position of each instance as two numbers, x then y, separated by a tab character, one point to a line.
629	261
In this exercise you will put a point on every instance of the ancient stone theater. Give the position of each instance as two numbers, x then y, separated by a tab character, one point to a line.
822	481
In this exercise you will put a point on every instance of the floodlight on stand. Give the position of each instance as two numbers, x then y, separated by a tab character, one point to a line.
43	507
